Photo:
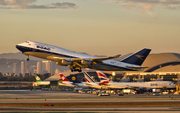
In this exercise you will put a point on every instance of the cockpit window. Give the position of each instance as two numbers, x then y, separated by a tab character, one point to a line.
27	42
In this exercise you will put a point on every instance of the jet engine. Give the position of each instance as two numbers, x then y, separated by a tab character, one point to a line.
65	62
86	62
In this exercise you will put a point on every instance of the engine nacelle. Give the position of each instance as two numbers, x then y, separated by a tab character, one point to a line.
65	62
86	62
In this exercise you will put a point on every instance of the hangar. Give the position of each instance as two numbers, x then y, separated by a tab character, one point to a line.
165	66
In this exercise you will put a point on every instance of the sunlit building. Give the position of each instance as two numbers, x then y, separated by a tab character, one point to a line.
39	67
46	66
53	64
22	68
14	69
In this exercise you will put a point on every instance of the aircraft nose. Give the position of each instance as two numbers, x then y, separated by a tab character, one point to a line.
20	48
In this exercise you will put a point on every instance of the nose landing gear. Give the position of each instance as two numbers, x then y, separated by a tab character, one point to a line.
27	58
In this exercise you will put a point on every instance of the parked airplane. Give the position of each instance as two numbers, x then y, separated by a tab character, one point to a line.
78	83
75	83
120	85
90	82
39	82
65	81
77	61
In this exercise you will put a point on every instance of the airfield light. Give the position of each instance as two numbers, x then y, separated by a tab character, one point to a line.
113	73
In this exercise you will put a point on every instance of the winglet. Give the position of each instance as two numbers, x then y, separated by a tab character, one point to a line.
116	56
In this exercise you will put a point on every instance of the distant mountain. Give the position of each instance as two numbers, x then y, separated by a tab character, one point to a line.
18	55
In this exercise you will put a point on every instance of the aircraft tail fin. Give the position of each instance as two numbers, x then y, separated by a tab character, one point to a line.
38	79
103	78
138	57
74	79
88	78
63	78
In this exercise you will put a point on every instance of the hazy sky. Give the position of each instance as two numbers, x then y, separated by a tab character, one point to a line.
97	27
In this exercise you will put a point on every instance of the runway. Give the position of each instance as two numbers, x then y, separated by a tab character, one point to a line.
92	110
26	100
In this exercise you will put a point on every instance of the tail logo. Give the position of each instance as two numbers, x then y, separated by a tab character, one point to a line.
87	80
63	78
37	78
73	78
139	56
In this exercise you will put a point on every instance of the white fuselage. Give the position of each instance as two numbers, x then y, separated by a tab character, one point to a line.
151	84
67	84
71	84
94	85
82	85
42	83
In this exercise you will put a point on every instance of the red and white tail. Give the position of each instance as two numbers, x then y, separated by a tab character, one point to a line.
63	78
103	78
88	78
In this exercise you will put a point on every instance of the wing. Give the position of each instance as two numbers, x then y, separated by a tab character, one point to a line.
98	59
105	58
78	63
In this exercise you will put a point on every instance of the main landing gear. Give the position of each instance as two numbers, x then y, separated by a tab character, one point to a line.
79	70
73	68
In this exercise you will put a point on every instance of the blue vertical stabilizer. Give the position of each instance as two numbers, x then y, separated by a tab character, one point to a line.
74	79
137	58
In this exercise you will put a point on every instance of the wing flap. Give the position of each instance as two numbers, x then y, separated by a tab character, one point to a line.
57	58
105	58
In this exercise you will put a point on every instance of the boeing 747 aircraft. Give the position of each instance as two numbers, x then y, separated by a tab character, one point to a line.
77	61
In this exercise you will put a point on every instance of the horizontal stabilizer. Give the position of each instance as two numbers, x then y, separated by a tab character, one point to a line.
136	67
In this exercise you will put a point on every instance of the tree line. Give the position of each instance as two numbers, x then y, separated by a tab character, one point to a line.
27	77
